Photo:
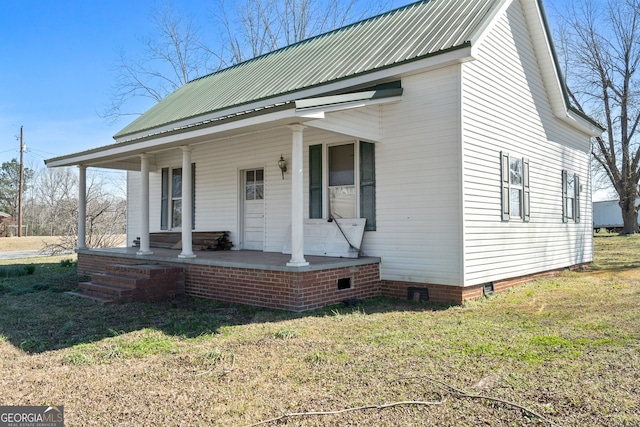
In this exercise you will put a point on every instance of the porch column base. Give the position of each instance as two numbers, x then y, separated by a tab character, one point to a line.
293	263
144	252
187	256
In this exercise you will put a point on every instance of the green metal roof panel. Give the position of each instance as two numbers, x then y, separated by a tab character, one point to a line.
412	32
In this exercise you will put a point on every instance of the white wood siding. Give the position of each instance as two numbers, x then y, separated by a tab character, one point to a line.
417	188
506	108
218	168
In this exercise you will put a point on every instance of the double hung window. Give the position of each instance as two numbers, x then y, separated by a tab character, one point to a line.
171	198
570	197
349	190
176	198
516	200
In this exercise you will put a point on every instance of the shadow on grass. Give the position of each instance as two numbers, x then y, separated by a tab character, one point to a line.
37	316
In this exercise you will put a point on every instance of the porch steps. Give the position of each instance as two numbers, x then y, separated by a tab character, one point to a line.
137	282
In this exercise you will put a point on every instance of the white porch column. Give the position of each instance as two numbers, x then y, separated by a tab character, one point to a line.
144	206
82	207
187	205
297	197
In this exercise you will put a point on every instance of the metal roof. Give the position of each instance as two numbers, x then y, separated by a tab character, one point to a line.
409	33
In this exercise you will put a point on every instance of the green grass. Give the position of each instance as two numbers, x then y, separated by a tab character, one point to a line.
567	348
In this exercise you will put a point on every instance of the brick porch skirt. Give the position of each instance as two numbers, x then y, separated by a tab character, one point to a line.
287	290
302	289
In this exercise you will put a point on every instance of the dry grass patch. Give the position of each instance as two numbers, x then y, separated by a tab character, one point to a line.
27	243
36	243
565	348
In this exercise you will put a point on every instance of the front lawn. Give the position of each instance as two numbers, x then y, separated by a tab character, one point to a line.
557	351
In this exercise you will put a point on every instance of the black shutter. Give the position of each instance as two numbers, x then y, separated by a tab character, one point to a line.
315	181
576	183
164	200
193	196
564	196
504	173
368	184
526	199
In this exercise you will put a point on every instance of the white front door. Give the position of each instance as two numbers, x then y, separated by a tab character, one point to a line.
253	209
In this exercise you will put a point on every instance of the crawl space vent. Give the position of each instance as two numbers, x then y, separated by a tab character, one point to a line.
344	283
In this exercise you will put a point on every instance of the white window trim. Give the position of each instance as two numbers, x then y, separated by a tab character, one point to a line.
506	187
172	199
326	209
575	218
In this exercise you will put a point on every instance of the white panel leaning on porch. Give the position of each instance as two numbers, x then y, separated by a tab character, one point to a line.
326	238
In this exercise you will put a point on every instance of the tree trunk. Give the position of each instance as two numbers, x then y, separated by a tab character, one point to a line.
629	214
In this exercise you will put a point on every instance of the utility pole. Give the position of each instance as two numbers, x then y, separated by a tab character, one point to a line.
22	147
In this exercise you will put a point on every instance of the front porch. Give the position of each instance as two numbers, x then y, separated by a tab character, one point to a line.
253	277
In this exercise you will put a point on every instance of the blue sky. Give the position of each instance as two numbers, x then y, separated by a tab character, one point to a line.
57	67
58	60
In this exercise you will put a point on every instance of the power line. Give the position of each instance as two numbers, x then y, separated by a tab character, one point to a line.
33	150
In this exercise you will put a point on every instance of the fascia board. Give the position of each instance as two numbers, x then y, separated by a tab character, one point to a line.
582	124
195	135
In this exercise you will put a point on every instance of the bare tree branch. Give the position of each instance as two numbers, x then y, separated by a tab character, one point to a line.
172	56
601	56
262	26
53	208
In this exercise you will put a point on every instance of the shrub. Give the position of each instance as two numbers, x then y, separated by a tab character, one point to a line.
12	271
66	263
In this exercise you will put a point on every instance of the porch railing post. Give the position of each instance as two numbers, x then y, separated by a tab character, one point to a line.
297	197
82	207
187	206
144	206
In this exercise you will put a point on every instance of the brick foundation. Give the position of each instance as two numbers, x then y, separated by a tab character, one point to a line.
303	290
459	294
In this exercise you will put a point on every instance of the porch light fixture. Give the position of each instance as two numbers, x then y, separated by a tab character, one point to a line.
282	164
